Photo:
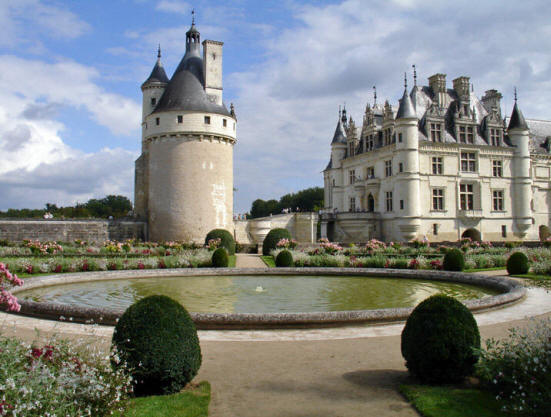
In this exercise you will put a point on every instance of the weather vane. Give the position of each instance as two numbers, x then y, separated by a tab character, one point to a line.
193	16
414	75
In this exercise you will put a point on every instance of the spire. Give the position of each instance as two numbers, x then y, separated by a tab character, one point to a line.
158	74
406	109
517	119
374	96
343	115
340	135
414	76
159	52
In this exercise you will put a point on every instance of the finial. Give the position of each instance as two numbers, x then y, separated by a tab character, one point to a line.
405	81
339	111
374	96
159	51
515	95
472	87
414	75
192	17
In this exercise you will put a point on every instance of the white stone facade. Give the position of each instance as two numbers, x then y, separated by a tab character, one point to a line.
450	165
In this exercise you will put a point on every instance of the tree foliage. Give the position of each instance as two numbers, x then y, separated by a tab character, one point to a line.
310	199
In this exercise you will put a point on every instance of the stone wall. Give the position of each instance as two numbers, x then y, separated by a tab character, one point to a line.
69	230
302	226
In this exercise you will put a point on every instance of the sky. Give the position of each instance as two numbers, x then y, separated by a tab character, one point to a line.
70	76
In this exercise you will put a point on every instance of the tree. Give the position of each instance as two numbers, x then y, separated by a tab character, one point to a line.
310	199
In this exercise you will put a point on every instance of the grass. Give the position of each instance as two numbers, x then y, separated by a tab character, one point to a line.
191	402
451	401
231	261
269	261
494	268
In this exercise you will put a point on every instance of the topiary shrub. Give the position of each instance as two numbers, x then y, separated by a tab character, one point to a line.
220	258
284	259
157	340
271	239
439	339
454	260
517	264
227	240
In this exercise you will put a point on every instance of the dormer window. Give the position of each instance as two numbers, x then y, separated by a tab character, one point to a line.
436	132
370	143
495	136
466	134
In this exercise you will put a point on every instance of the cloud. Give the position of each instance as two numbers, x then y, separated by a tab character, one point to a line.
174	6
330	54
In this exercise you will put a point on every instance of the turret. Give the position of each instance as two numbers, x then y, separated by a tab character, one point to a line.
154	87
522	183
338	144
407	161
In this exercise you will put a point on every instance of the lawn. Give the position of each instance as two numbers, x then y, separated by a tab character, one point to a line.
269	261
451	401
193	401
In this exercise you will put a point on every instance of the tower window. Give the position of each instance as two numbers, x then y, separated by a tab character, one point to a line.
437	166
207	120
435	229
401	167
497	199
180	119
399	137
401	204
153	101
157	121
497	168
224	122
503	231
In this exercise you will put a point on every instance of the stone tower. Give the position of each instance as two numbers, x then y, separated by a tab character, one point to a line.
184	176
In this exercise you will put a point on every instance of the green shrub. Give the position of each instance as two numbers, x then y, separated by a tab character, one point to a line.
271	239
227	240
517	264
438	340
284	259
544	233
220	258
157	339
454	260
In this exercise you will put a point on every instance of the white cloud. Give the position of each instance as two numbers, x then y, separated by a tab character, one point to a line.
174	6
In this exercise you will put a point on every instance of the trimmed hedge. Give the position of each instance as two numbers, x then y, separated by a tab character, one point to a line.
518	264
438	340
157	339
454	260
284	259
227	240
220	258
271	239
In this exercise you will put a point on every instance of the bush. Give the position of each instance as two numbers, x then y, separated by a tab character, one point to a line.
284	259
439	339
226	238
517	264
454	260
516	369
271	239
158	341
220	258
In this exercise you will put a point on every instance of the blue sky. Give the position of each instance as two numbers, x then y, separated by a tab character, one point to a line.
70	75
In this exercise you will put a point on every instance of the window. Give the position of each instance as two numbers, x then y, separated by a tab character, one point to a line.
401	204
157	121
207	120
470	134
388	136
466	134
224	122
497	168
495	137
352	204
351	149
503	231
400	137
435	229
351	176
438	199
466	196
370	172
370	143
180	119
468	161
401	167
389	201
153	101
436	132
497	200
437	166
388	168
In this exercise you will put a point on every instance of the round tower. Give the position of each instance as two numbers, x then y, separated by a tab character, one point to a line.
522	182
408	180
188	139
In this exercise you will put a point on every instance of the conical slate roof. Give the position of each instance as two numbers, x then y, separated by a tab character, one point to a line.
158	75
340	135
406	109
186	89
517	119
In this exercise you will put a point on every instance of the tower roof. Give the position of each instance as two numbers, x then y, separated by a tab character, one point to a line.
186	89
158	75
406	109
340	134
517	119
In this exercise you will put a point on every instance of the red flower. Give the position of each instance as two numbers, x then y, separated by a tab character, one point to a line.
36	353
29	269
141	265
58	269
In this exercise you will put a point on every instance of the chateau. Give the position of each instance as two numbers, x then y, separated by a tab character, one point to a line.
445	165
184	176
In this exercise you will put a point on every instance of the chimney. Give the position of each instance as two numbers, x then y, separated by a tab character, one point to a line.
437	83
212	70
